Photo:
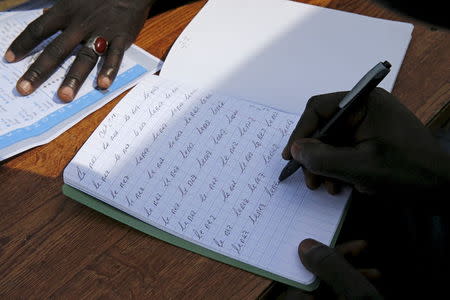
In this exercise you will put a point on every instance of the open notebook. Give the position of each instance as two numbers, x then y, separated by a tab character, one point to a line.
204	167
196	165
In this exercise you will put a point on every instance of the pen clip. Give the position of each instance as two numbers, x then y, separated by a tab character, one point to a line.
368	82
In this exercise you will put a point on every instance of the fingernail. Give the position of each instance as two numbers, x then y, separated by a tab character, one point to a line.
24	87
66	94
9	56
104	82
307	245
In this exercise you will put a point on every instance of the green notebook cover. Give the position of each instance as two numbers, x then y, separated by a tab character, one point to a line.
125	218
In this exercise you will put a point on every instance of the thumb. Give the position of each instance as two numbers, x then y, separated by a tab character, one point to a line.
326	160
334	270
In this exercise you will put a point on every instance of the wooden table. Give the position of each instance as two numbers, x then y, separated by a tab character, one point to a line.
53	246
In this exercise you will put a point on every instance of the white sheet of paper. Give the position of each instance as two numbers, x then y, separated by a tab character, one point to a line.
26	122
280	53
205	168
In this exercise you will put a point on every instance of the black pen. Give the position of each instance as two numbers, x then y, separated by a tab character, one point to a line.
350	100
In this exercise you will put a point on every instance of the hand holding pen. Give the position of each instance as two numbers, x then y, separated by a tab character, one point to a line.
349	102
376	145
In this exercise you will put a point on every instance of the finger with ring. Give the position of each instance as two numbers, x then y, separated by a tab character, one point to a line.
98	44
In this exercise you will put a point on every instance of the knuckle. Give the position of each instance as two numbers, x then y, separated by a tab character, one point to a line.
87	55
312	101
55	50
312	161
35	29
73	80
33	74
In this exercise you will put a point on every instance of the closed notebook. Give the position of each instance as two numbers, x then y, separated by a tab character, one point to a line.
198	167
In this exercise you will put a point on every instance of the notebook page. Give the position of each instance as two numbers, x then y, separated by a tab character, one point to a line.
280	52
204	167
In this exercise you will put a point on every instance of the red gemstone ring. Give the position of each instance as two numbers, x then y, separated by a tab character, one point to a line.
98	44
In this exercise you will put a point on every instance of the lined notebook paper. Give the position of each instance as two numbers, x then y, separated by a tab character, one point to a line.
204	167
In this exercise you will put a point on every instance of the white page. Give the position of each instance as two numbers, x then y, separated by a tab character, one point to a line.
280	53
205	168
26	122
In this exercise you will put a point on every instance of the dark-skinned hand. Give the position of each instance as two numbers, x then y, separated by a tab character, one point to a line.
340	280
382	148
118	21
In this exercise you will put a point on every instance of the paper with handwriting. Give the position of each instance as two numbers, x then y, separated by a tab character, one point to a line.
204	167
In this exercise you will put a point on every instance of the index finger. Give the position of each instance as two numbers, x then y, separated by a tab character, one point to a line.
333	269
36	32
47	62
318	109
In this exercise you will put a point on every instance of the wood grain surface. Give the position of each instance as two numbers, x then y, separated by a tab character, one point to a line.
51	246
